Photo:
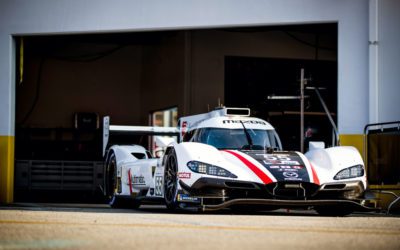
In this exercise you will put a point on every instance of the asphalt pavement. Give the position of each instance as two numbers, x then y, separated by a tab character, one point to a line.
96	226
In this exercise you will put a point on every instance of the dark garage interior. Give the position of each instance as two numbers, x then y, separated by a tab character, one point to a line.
250	81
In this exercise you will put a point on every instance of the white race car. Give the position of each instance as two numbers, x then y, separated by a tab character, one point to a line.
227	159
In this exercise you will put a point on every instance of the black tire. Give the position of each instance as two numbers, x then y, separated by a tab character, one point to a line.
171	181
335	211
113	185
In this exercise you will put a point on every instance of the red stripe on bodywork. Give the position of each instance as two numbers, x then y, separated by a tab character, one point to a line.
130	181
314	174
252	167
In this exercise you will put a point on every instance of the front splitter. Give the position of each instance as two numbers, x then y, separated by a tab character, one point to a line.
289	204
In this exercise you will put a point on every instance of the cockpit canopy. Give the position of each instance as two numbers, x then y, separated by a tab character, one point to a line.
227	138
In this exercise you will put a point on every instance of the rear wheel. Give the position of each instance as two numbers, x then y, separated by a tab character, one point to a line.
171	181
113	186
334	211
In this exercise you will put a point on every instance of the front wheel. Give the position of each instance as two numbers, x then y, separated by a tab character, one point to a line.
171	181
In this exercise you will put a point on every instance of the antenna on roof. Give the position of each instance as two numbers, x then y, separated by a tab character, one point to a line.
219	103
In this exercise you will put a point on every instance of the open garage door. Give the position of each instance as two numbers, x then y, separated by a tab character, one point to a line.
66	85
70	82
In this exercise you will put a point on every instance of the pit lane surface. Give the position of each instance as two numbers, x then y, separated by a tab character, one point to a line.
64	226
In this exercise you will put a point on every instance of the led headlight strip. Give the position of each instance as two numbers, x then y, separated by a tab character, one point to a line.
351	172
204	168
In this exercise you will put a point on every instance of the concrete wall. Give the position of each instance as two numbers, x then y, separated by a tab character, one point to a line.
384	51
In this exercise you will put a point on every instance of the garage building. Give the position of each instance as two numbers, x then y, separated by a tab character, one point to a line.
133	60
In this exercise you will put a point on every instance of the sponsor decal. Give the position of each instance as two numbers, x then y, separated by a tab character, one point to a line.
273	162
138	180
244	121
187	198
289	170
290	162
286	168
184	175
290	174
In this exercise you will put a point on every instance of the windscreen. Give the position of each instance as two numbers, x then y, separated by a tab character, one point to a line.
237	138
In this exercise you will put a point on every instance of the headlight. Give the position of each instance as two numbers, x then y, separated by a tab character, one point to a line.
351	172
204	168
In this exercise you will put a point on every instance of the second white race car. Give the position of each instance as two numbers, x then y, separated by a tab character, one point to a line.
227	159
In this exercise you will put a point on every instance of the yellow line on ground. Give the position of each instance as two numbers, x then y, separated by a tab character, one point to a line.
212	227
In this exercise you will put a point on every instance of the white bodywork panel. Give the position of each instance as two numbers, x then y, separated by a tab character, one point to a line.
328	162
136	174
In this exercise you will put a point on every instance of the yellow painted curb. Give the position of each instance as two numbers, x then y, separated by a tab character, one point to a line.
7	169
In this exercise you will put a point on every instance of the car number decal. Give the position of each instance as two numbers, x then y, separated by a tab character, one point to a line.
283	166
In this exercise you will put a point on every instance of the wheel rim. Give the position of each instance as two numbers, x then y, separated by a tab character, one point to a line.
170	179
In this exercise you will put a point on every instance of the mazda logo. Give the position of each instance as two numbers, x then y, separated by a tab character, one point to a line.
290	174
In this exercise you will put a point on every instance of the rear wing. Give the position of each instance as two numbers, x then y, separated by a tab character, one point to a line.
109	129
188	122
